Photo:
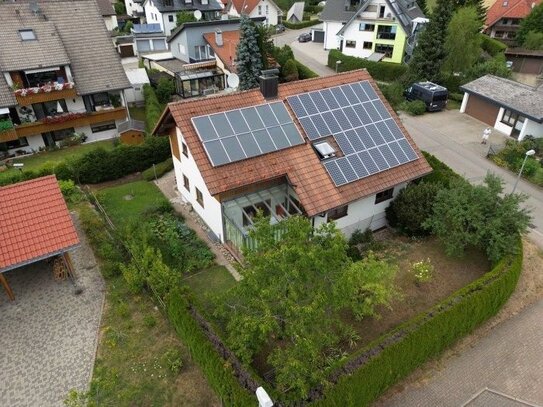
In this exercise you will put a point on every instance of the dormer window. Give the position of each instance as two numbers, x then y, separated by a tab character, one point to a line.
27	34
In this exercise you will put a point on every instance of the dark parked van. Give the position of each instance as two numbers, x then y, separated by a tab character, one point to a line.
433	95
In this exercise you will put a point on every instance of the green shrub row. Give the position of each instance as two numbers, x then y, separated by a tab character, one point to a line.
410	345
101	165
492	46
218	372
304	24
159	170
304	72
381	71
413	107
153	109
441	173
512	157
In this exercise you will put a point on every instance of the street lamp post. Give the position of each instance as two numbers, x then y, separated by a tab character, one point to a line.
337	65
528	154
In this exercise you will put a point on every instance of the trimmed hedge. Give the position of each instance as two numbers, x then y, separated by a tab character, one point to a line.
218	372
304	24
402	350
492	46
441	173
160	169
304	72
153	109
381	71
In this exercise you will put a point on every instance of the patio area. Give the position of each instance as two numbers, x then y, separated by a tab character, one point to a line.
49	333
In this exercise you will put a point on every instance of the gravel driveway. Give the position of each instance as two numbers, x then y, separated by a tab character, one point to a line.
48	335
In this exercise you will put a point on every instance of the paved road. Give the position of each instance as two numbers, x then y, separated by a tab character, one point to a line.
311	54
508	361
455	138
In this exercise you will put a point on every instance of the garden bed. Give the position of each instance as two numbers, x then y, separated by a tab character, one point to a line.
513	154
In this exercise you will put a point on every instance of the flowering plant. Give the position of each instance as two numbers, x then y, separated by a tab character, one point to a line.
422	270
45	88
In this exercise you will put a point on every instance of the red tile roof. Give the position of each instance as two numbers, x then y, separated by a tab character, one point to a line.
34	222
227	51
246	5
300	164
509	9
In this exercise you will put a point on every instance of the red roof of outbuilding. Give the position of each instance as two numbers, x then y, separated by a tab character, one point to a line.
34	222
509	9
313	185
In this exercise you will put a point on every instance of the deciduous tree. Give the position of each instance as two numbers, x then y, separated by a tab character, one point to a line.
533	22
463	42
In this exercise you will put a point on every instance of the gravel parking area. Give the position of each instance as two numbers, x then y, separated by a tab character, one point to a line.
48	335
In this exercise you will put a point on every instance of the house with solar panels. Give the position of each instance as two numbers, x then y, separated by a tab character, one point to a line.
373	29
328	148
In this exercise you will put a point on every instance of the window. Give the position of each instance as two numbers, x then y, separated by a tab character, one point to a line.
60	135
185	149
385	49
384	196
386	32
337	213
50	108
205	2
170	18
188	1
20	142
168	3
27	34
382	12
97	128
511	118
199	197
201	52
366	27
100	99
249	212
259	10
267	9
350	44
368	45
186	183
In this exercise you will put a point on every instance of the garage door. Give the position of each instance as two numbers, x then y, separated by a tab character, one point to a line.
482	110
318	36
126	51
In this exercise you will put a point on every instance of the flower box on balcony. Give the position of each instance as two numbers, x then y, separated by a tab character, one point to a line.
44	93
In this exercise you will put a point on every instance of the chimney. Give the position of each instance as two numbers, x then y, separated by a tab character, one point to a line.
269	82
218	37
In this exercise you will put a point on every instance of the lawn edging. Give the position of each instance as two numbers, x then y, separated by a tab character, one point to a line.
366	375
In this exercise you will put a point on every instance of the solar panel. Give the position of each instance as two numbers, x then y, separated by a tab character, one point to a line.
362	126
239	134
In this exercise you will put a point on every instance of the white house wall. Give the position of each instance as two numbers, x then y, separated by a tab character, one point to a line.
152	15
353	33
532	129
498	125
331	28
111	22
362	214
211	213
169	26
133	7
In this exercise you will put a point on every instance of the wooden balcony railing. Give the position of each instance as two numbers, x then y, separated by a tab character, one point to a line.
45	96
78	120
8	135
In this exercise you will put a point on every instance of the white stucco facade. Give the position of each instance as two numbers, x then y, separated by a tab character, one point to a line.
331	28
264	8
132	7
111	22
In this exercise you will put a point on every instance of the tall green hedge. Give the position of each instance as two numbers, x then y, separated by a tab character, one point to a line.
153	109
425	336
218	372
304	72
381	71
304	24
492	46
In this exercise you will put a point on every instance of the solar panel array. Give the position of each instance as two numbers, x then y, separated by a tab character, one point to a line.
368	136
238	134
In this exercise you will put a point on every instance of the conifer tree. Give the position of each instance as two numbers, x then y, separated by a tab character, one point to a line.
249	58
430	53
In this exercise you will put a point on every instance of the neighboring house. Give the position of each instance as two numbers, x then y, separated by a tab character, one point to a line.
137	77
164	12
296	13
149	38
526	61
373	29
134	8
329	148
108	14
510	107
256	8
224	45
65	80
504	16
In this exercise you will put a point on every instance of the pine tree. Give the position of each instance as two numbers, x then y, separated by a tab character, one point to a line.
248	55
430	53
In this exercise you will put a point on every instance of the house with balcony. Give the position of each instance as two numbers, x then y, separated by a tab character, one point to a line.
55	79
256	8
329	148
374	29
504	16
134	8
164	12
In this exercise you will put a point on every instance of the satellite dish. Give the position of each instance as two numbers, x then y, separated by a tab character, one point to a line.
232	80
197	15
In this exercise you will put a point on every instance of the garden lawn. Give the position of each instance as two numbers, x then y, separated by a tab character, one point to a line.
137	113
209	282
128	202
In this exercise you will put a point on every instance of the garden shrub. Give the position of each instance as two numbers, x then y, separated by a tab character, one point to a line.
165	89
412	207
393	93
69	190
153	109
304	24
380	71
304	72
413	107
492	46
361	243
160	169
396	354
441	173
290	71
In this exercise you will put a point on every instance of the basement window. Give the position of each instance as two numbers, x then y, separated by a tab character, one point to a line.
325	150
338	213
27	34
